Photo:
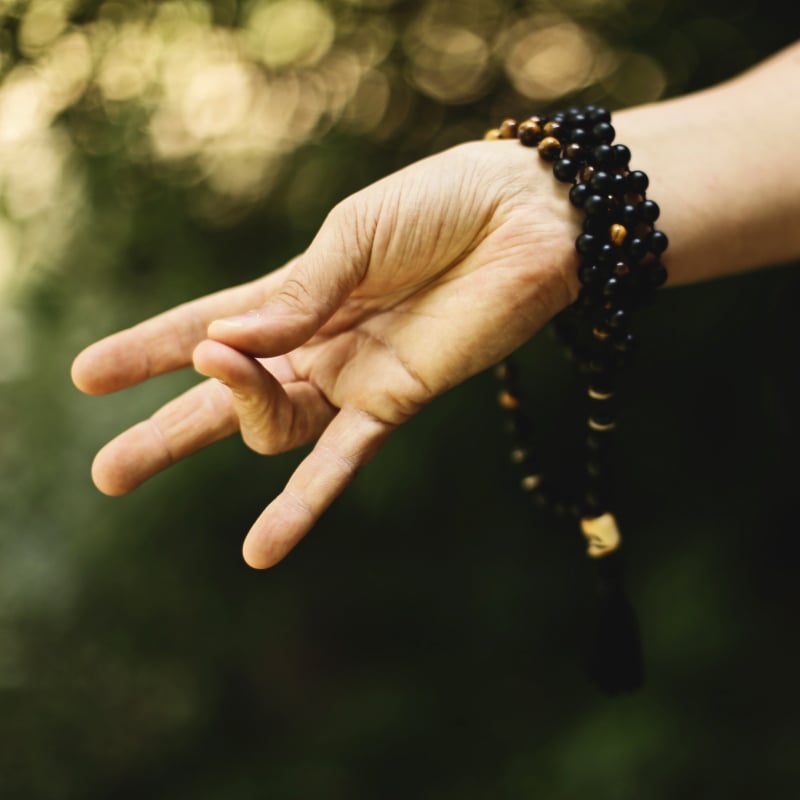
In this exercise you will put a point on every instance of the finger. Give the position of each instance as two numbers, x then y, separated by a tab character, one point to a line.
195	419
312	290
347	444
273	417
164	342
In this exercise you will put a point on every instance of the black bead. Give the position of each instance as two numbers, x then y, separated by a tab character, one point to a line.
657	274
622	155
619	319
657	242
565	169
626	343
630	215
607	253
618	189
637	182
578	194
603	155
596	469
601	182
603	411
649	210
596	205
586	244
590	275
580	136
612	287
604	132
597	225
602	384
598	442
637	247
518	427
598	114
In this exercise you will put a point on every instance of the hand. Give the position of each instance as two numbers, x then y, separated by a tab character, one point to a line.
411	285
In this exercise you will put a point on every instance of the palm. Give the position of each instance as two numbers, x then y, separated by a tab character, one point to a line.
411	286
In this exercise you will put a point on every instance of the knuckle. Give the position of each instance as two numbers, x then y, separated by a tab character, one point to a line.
294	294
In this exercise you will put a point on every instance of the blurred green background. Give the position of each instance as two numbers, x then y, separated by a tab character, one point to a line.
421	642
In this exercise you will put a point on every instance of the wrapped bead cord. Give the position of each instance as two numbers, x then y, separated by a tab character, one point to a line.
619	271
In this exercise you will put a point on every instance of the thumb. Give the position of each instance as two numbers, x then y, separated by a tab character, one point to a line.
316	284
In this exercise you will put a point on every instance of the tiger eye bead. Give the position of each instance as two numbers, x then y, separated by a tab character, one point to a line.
508	129
549	148
617	233
553	128
621	269
492	134
600	333
508	400
574	151
529	131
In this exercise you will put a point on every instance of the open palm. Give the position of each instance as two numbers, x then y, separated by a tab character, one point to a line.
411	286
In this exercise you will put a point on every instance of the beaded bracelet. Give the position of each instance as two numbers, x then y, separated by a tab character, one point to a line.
620	270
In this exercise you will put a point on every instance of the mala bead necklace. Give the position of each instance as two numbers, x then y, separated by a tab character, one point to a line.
620	271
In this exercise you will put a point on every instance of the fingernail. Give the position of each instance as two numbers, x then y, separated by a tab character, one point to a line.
238	323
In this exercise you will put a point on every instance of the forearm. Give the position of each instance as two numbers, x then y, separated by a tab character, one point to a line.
724	167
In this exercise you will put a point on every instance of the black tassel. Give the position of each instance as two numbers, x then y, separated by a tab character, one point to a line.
614	660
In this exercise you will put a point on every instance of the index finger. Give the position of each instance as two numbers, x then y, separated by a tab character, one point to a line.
165	342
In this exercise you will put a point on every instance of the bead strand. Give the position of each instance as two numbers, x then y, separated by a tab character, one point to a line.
620	269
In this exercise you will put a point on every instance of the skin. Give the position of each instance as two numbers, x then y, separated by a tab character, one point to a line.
429	276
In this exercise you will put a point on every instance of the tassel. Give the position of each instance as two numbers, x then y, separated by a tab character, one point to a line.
613	656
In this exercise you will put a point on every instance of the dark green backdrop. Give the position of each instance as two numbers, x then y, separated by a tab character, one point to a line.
421	642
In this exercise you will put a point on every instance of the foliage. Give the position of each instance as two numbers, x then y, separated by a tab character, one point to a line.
421	642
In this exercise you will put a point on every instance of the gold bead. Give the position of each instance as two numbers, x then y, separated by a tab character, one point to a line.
601	426
595	395
530	482
518	455
617	233
507	400
492	134
602	534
